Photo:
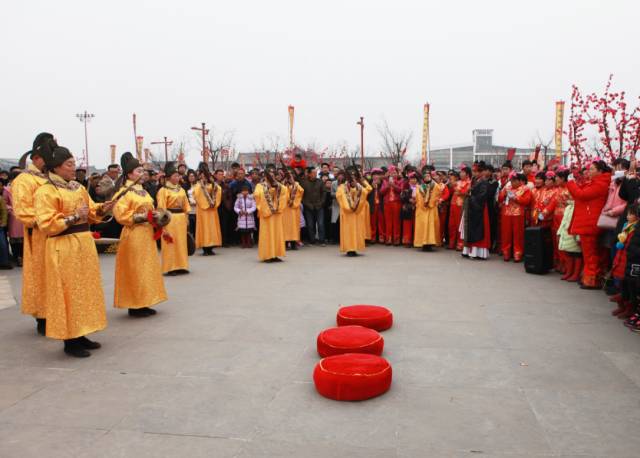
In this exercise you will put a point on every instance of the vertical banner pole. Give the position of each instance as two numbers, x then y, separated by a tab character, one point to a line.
559	122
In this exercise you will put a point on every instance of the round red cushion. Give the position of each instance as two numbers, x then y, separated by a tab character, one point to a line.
369	316
349	339
352	376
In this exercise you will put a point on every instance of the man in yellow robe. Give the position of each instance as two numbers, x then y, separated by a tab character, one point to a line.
74	302
208	196
271	199
427	220
351	197
291	213
24	189
172	197
138	277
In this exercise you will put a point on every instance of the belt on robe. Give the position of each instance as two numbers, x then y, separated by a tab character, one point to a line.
175	210
73	230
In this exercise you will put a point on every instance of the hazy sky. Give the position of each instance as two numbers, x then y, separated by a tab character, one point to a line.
237	65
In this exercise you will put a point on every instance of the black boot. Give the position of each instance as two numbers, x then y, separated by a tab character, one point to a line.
88	344
149	310
352	254
427	248
73	347
41	326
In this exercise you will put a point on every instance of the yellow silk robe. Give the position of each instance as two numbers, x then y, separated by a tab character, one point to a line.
207	220
74	302
24	189
427	223
291	214
138	279
352	232
271	241
366	219
175	255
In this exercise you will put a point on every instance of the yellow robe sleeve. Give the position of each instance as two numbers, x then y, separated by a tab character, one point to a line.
435	196
298	199
24	201
341	197
162	198
218	194
48	206
284	199
201	200
261	203
366	189
185	201
123	211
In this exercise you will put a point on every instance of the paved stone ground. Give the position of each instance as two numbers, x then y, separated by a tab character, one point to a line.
488	361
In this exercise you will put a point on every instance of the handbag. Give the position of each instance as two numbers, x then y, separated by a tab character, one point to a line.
607	222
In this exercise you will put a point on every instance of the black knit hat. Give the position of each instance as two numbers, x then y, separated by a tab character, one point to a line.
128	163
55	158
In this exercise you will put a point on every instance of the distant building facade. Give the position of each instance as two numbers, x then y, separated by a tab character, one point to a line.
482	148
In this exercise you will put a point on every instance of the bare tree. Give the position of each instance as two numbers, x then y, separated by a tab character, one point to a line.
394	144
271	150
540	142
220	147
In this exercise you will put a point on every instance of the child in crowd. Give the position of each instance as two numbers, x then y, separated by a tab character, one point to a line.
569	245
245	207
624	299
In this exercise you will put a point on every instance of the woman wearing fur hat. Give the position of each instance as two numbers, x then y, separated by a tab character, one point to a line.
172	197
208	197
138	278
74	301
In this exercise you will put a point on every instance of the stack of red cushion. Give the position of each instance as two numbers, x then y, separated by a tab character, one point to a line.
352	368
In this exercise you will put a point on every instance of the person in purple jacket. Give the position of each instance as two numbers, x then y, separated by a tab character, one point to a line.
245	207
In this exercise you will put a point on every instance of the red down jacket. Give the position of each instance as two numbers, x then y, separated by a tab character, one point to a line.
590	198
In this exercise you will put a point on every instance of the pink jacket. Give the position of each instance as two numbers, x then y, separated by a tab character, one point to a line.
614	204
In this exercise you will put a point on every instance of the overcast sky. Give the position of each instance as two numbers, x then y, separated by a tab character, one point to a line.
237	65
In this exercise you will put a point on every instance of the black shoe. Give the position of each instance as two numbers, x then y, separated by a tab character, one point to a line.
73	347
427	248
139	313
173	273
352	254
149	310
41	326
6	267
277	260
294	246
88	344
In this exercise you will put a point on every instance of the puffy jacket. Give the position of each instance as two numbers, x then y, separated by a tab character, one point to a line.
615	204
590	198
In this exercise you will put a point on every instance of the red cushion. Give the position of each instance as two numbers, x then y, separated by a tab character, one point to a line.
352	376
349	339
369	316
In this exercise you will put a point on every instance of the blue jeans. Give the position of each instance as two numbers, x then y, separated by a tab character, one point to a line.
313	217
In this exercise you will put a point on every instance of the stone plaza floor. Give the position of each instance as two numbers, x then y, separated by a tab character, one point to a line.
487	361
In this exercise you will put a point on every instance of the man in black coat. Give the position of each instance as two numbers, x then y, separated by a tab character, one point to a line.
474	216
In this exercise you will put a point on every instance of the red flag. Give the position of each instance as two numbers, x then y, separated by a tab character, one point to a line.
511	152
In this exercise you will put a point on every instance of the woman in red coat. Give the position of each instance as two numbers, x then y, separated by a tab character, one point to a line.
590	198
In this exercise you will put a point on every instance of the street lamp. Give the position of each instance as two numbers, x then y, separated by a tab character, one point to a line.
85	118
